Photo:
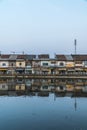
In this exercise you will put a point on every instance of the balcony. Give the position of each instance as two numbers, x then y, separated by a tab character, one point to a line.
28	67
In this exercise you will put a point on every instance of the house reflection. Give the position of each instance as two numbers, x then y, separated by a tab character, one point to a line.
3	86
39	87
20	87
60	88
47	88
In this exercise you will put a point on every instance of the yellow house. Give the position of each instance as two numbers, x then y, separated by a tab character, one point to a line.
20	87
69	64
69	87
20	67
20	64
20	61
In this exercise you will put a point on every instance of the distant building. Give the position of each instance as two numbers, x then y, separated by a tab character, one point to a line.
42	64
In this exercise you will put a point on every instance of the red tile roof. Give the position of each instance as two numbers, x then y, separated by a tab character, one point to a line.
79	57
20	56
60	57
5	56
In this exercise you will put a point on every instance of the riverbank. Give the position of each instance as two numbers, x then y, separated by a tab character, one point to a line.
34	76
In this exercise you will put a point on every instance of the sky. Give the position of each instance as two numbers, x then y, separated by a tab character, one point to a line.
43	26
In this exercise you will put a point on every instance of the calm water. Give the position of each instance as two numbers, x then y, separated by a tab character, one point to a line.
43	104
43	113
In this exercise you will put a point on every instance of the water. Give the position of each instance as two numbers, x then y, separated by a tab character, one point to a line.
43	113
24	108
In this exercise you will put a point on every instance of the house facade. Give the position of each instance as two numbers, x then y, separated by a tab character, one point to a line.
20	64
4	63
42	64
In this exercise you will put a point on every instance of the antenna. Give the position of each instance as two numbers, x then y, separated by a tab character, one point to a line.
75	43
23	52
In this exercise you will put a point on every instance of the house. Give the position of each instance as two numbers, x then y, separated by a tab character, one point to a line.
36	68
20	64
12	64
41	64
20	87
28	66
4	63
79	60
44	63
80	63
60	64
60	88
11	85
52	66
70	64
47	88
3	86
28	84
35	88
69	87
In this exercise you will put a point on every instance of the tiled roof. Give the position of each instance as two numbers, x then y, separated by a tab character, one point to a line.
79	57
60	57
43	56
4	56
20	56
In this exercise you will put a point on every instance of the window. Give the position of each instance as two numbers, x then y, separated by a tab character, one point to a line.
53	62
78	62
61	64
45	64
3	64
3	86
45	87
61	87
20	64
19	87
12	64
28	64
85	62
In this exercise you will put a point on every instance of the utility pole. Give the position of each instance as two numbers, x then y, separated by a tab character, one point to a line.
75	43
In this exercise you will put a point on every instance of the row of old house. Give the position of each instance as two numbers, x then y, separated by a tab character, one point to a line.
32	87
43	64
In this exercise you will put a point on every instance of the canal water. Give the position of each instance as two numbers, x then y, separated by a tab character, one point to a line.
42	110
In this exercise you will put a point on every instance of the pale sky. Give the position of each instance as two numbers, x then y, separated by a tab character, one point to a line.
43	26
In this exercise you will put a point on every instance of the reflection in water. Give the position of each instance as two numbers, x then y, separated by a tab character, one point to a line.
43	88
43	105
60	88
75	104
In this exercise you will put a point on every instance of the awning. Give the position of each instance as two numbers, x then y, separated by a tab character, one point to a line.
45	70
62	69
3	68
78	69
71	69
